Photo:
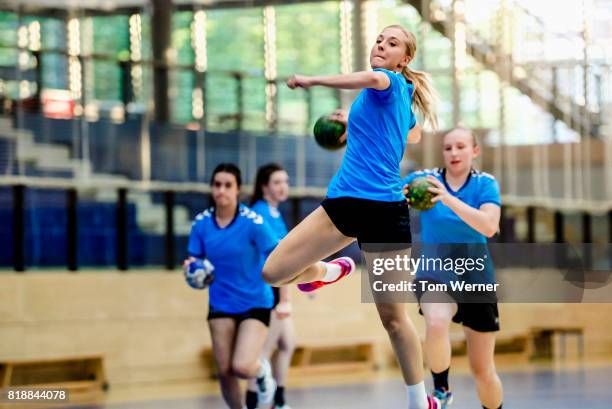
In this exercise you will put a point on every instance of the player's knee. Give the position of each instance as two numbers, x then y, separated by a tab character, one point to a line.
243	369
224	371
437	326
392	323
483	373
286	345
271	274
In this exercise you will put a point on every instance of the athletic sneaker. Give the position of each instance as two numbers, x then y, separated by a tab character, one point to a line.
347	266
266	385
445	397
434	403
281	407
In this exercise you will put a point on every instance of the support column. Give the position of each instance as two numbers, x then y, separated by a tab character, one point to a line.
19	214
161	20
72	229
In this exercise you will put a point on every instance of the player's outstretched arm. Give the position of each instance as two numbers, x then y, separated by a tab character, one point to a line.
356	80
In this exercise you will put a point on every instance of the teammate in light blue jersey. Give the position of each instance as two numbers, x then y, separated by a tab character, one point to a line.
270	189
236	241
466	213
364	200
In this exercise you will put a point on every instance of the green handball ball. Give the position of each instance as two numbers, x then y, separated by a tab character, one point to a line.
327	133
418	196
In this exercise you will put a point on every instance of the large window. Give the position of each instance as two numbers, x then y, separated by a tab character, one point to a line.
308	42
110	37
182	79
235	44
54	63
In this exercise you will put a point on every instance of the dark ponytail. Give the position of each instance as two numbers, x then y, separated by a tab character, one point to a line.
262	179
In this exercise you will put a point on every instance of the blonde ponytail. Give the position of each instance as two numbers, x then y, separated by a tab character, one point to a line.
425	97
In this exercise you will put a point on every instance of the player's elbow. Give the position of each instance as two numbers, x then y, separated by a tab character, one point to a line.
414	136
491	230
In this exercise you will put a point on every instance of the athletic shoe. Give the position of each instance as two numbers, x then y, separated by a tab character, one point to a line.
266	385
445	397
433	403
281	407
347	266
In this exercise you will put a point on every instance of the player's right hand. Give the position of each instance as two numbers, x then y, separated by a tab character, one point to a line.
299	81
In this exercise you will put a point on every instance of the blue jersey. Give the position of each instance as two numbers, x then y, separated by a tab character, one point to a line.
237	252
378	125
271	216
440	224
445	236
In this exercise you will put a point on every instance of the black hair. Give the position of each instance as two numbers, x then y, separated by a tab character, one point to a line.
262	179
228	168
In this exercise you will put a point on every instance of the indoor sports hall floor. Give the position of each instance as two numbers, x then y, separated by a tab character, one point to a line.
527	386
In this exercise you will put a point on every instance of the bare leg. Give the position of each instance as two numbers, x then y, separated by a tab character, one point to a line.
481	349
250	338
286	346
438	317
223	333
269	346
281	337
404	339
297	257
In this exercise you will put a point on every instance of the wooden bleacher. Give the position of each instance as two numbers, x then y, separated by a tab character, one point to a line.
352	355
77	373
347	356
549	342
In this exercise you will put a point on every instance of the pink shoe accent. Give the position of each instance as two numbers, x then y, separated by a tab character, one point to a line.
433	403
346	264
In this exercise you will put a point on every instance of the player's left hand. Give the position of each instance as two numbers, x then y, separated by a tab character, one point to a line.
340	115
283	310
442	194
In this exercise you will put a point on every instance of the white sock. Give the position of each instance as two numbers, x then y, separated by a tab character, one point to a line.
417	396
332	273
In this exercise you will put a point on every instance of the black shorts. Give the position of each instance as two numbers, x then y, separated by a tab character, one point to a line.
259	314
371	221
481	317
276	293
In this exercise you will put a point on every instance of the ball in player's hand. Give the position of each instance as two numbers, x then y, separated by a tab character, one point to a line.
328	133
199	273
418	195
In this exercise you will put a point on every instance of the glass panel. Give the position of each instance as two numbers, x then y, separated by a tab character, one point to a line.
443	85
110	38
391	12
182	81
254	99
221	102
292	111
308	44
308	39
